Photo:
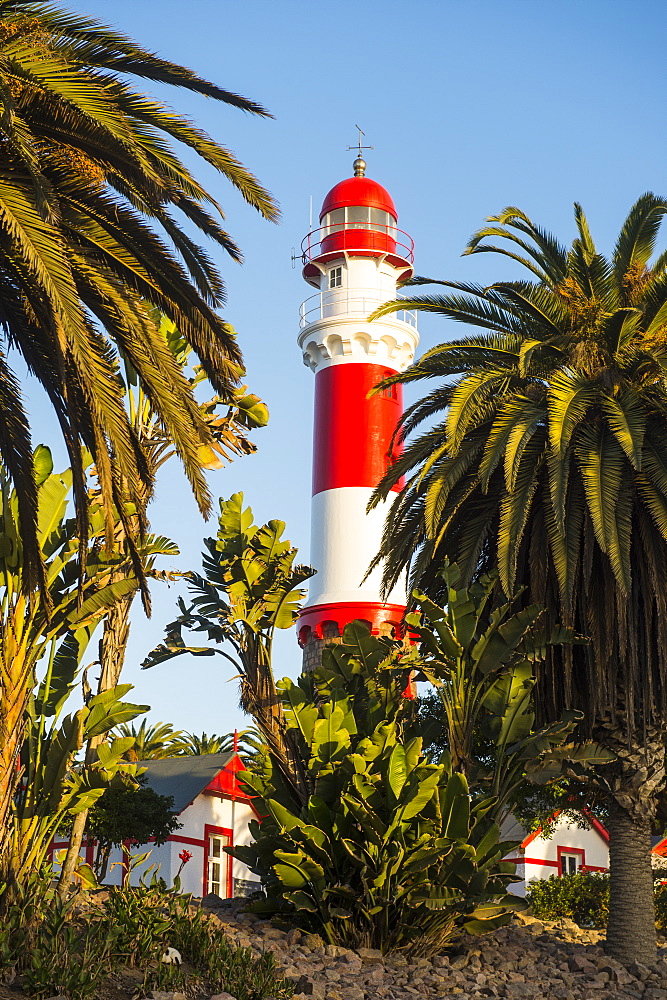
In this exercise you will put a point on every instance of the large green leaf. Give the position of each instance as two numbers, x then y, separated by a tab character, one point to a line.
397	770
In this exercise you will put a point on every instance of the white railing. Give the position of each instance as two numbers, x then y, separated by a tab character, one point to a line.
348	302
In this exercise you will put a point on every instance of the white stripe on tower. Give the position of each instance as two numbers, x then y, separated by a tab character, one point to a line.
354	260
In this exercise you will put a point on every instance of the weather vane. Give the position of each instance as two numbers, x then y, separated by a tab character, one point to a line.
359	163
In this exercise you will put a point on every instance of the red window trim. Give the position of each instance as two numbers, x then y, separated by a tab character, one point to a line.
224	831
560	851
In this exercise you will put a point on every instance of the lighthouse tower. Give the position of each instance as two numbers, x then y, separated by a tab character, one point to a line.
354	260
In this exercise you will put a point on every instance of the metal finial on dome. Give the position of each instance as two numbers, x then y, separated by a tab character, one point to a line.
359	164
359	167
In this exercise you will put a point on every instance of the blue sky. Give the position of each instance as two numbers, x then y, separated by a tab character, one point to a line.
471	105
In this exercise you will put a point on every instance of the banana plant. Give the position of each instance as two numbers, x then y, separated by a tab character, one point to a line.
483	659
250	587
389	851
52	787
32	618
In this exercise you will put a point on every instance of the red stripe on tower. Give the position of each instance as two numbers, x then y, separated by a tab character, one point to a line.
353	431
354	260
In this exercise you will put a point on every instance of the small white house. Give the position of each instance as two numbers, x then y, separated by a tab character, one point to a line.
214	812
563	850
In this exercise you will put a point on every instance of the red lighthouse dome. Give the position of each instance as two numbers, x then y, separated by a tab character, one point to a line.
358	219
359	191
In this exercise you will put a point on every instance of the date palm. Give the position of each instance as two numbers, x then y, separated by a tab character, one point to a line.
542	451
151	742
96	212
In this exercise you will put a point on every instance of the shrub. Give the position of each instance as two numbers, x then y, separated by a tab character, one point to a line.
583	897
141	922
388	851
224	967
660	896
70	957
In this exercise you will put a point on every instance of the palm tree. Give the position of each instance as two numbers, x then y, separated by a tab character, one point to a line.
246	742
542	451
151	742
95	210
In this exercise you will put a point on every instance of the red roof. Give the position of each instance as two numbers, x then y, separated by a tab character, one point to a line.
358	191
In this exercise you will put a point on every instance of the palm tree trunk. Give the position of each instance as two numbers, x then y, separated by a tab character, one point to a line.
633	782
112	655
631	929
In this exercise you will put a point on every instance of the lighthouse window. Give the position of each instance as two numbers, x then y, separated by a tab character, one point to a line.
381	221
333	221
335	277
389	392
357	217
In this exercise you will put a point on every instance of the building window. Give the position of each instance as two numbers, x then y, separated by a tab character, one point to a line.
569	863
335	277
389	392
218	865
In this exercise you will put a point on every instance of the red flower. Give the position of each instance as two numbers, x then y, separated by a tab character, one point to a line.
185	856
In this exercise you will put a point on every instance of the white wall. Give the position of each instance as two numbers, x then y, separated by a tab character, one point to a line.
565	835
205	810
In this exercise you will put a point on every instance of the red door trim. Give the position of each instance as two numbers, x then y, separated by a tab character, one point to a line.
224	831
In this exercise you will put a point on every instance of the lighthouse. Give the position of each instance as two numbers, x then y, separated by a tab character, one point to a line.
354	260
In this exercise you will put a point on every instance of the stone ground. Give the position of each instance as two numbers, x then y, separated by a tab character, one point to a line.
528	960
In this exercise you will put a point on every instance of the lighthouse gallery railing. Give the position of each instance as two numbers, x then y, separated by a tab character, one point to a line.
347	301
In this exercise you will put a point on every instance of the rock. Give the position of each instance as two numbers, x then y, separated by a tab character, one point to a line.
224	996
312	941
212	901
335	951
369	954
294	936
165	995
306	986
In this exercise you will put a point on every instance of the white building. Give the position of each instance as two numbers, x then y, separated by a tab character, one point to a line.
564	849
214	812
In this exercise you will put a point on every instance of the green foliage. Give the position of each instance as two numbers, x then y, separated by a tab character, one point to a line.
21	920
484	658
540	450
53	788
64	948
223	966
247	743
56	624
660	898
142	923
149	742
94	196
129	813
251	586
387	851
69	957
583	897
150	918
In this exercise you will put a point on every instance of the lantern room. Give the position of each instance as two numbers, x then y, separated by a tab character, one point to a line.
358	219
